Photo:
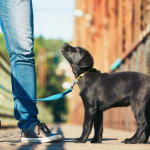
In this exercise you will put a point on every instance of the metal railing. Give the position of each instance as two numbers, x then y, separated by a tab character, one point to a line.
137	57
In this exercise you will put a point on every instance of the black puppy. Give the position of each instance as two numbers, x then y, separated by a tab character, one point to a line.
101	91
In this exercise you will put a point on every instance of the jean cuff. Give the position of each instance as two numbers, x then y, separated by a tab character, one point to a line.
30	126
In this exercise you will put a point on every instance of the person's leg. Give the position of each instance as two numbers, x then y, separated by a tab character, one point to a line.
17	26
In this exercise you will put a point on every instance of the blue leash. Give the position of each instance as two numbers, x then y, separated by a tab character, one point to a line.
50	98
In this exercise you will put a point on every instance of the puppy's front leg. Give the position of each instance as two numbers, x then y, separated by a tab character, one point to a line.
87	125
98	126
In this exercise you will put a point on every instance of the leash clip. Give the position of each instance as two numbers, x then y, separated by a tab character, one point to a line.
74	82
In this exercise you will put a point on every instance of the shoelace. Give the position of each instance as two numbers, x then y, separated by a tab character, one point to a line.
43	127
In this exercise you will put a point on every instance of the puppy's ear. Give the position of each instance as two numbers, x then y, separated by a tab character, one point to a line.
86	61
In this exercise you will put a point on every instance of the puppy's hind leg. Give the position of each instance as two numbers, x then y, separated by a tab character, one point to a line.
98	127
146	134
139	113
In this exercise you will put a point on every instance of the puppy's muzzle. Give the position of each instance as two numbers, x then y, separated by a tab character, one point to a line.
65	46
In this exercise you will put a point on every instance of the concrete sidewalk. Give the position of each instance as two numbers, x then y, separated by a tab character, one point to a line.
10	140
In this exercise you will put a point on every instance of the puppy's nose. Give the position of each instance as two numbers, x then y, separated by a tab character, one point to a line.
65	45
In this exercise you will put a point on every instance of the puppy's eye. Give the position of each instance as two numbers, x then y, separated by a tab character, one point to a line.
78	50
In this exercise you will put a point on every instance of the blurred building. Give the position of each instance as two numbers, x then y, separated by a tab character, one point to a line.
117	34
42	67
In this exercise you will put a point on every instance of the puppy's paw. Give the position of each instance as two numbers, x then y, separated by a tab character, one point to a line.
78	140
143	138
129	141
96	140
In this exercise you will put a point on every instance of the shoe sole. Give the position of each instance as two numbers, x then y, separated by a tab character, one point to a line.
51	139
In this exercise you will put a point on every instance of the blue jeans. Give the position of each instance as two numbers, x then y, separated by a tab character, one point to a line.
17	25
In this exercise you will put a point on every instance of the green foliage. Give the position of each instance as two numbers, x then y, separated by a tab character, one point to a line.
51	44
3	48
53	82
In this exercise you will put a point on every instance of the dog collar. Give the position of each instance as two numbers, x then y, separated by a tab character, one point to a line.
74	80
82	74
